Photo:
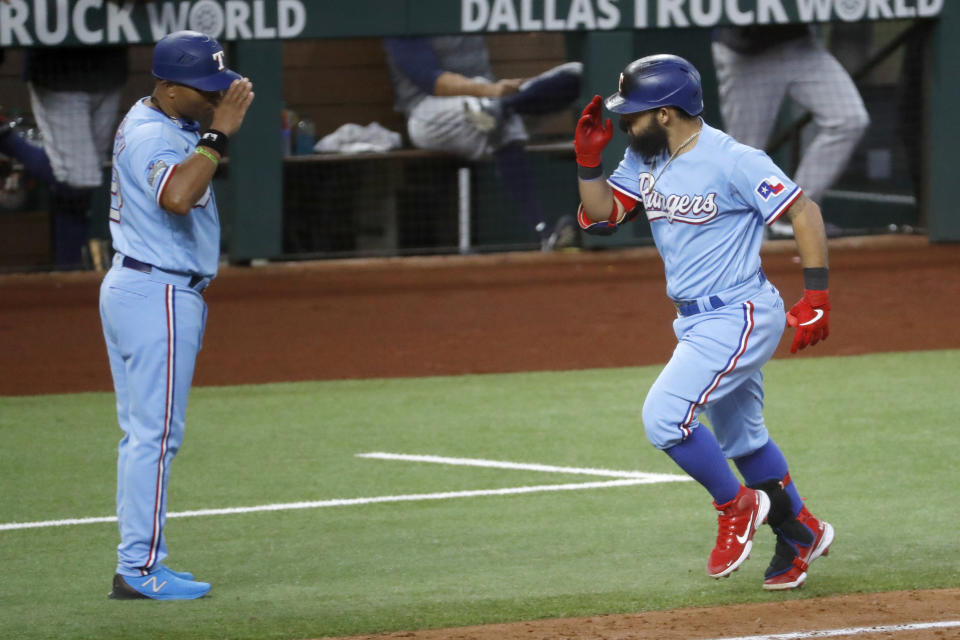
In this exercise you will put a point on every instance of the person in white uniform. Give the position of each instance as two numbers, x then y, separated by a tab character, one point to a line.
758	66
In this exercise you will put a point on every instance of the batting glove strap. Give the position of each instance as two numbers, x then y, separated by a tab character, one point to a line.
811	317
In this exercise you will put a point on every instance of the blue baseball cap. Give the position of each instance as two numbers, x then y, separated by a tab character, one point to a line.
194	59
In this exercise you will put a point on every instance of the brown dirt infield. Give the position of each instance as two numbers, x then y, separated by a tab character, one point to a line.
508	312
734	621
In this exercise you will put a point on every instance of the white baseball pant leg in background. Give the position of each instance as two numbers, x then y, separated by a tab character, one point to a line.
752	89
77	129
440	124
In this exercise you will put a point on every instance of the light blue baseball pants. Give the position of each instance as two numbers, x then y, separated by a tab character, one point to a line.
715	369
153	326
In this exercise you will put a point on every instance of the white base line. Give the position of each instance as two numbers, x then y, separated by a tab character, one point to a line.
500	464
627	479
345	502
852	631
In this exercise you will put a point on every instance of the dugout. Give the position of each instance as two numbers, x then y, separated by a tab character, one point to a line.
321	61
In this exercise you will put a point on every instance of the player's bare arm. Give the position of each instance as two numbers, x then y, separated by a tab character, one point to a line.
809	232
811	314
453	84
192	177
598	201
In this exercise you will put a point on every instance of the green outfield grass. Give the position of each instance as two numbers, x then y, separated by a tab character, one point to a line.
872	441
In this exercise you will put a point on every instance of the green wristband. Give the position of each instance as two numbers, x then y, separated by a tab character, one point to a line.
207	154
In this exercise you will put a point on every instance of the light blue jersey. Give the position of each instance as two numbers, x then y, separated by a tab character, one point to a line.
148	146
707	210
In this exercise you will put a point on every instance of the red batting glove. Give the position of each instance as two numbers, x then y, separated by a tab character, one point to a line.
591	135
811	317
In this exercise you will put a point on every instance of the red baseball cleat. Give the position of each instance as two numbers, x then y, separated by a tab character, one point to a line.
738	520
788	568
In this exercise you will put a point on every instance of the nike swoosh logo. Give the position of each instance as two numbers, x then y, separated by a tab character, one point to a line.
746	532
819	315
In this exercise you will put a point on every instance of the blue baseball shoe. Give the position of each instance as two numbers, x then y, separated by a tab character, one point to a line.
160	584
183	575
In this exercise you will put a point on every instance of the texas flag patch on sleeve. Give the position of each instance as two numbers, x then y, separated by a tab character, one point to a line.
782	196
770	187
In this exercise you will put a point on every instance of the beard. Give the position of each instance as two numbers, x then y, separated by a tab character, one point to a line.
650	143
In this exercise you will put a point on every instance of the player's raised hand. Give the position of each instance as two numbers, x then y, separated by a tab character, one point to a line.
592	135
811	317
229	114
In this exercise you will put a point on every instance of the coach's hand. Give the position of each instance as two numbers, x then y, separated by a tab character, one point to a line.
229	114
592	135
811	317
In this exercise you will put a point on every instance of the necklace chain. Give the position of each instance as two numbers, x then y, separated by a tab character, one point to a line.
673	155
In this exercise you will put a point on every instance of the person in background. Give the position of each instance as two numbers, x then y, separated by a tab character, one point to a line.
757	67
75	96
453	102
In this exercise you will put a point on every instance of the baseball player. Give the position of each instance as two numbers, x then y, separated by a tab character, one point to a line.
758	66
446	88
165	229
707	198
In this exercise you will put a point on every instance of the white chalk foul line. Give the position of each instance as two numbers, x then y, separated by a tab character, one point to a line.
522	466
345	502
851	631
627	478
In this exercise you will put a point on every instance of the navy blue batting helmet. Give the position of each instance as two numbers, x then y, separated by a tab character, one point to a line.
661	80
194	59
